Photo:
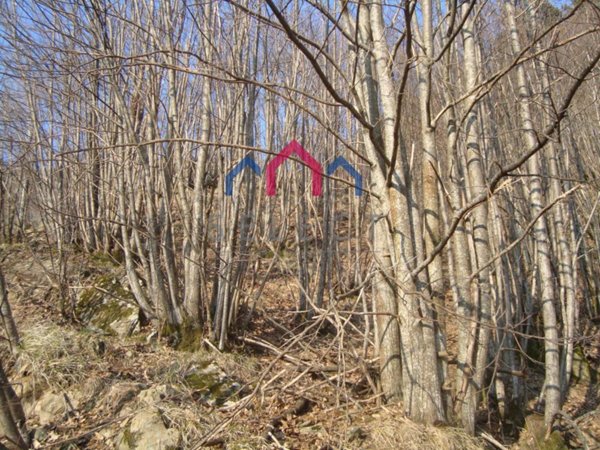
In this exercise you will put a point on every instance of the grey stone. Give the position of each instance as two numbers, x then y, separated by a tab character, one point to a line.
49	408
147	431
157	394
120	394
107	306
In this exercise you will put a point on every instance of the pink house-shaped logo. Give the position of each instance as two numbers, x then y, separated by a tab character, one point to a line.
312	163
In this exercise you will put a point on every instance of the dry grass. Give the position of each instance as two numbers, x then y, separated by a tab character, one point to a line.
55	355
190	421
389	430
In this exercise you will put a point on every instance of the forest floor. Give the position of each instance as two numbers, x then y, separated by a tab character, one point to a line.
283	384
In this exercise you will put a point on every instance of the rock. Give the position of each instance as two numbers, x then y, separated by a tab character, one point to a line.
120	394
29	391
147	431
49	408
533	436
157	394
52	407
109	307
211	384
39	435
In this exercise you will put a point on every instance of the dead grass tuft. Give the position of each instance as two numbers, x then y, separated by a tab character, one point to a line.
190	422
391	431
54	355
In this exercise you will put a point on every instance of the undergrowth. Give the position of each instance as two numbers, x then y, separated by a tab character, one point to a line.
55	355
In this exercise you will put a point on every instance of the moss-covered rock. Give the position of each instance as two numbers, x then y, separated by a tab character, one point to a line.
147	431
108	306
211	384
534	436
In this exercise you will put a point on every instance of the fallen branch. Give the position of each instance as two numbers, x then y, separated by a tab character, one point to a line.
86	433
493	441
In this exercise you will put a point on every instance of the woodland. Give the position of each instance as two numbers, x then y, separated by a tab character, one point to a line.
380	218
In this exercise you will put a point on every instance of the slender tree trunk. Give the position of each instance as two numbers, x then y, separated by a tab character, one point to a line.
384	295
432	221
476	354
552	382
195	266
7	317
562	224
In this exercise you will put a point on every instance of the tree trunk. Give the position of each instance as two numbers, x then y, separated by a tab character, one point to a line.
476	352
12	417
552	382
421	385
7	318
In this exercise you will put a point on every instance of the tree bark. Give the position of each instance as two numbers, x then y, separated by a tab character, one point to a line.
7	317
12	417
552	381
